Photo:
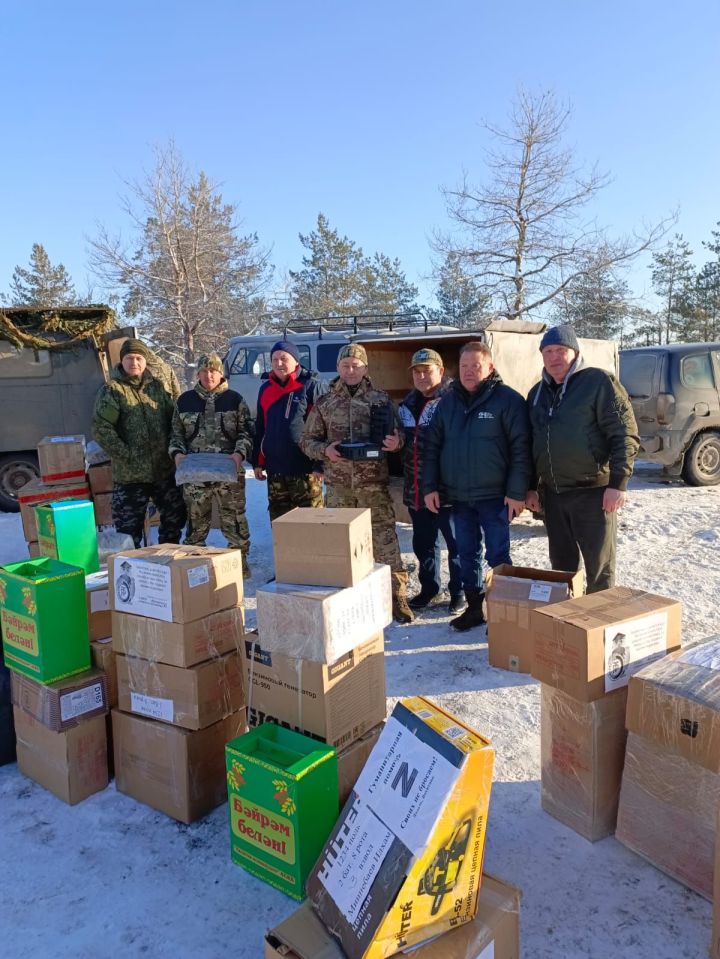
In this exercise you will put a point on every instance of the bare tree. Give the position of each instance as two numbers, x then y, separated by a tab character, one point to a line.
188	276
526	233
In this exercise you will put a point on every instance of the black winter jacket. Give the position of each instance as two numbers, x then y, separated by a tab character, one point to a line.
478	444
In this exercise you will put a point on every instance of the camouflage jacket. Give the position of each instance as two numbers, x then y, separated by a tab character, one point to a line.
131	421
336	417
216	421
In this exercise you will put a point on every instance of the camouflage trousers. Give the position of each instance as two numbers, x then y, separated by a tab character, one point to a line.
287	492
386	548
129	505
231	507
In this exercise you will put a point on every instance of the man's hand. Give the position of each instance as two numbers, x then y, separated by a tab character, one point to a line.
532	501
613	500
237	457
391	442
259	473
515	507
432	501
179	457
332	453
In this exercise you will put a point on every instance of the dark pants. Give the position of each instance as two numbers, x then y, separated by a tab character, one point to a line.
129	504
426	545
482	519
578	526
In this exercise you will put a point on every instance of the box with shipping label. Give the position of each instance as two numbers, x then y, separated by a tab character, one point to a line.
582	751
323	547
102	506
194	698
404	861
175	584
44	619
335	702
35	493
589	646
179	772
98	605
668	813
178	644
103	657
494	933
62	704
511	592
283	802
62	459
100	477
351	761
66	531
320	623
71	764
675	702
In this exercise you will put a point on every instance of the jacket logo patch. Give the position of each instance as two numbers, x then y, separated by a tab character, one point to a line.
485	415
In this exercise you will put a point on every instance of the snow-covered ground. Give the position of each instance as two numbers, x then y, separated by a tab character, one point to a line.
112	877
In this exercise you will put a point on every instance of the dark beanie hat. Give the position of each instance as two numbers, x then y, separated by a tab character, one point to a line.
134	346
563	335
287	346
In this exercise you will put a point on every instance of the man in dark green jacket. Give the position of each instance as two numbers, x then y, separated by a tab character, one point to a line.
584	445
131	421
477	458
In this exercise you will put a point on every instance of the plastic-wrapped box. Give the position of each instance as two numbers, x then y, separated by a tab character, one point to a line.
206	468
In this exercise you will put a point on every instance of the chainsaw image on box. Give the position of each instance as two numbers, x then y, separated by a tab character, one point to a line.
442	873
382	423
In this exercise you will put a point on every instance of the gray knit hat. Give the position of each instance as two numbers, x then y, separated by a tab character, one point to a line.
562	335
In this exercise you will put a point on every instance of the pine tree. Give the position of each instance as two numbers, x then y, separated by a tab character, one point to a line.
673	279
42	285
461	301
596	303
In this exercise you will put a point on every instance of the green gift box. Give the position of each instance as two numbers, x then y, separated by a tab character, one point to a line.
66	531
283	801
43	615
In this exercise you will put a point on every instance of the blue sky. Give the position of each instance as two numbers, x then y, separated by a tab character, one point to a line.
361	110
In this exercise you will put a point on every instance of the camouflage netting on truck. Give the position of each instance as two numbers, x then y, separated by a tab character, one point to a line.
51	329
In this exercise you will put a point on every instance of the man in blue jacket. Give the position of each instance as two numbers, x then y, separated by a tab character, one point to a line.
477	457
283	404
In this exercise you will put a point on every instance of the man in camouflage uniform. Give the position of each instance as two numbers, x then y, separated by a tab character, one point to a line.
214	419
344	412
131	421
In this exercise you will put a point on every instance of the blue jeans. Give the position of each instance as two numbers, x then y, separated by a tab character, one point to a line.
426	546
482	519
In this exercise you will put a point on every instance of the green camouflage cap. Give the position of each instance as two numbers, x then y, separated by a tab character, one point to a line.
210	361
353	351
426	357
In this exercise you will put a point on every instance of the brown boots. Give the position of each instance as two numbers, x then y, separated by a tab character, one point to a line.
400	609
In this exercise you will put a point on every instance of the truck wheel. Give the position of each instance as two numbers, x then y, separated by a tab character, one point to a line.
16	469
702	460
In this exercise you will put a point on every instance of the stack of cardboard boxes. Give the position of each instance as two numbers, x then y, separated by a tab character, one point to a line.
585	650
177	631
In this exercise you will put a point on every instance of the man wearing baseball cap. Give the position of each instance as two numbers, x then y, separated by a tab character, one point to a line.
585	442
416	412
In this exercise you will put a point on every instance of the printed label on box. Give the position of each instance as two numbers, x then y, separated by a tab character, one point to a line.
152	706
99	600
19	631
705	654
540	592
81	701
143	588
197	576
632	645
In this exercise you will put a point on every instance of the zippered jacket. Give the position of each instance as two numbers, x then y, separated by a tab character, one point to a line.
584	430
282	409
477	445
211	421
415	414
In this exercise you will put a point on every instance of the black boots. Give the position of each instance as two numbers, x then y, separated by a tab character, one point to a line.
473	615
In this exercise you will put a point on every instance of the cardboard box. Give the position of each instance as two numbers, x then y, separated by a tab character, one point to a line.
35	493
44	619
494	933
341	552
668	813
404	861
194	698
177	771
61	705
582	752
103	657
715	947
177	584
283	802
675	702
33	549
98	605
72	764
335	702
102	505
319	623
66	531
511	592
351	761
100	477
178	644
62	458
590	646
